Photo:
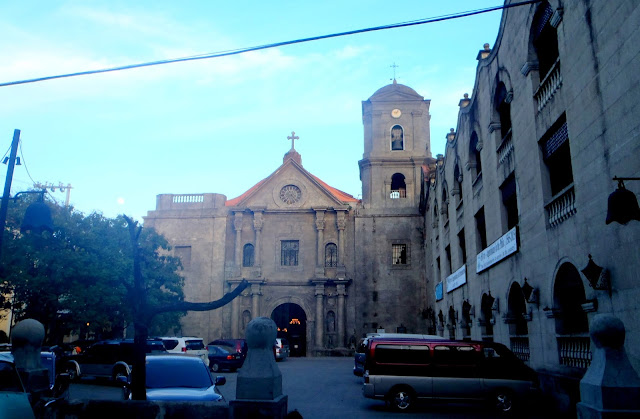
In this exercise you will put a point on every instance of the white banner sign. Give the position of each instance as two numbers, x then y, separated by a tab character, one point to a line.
498	250
457	279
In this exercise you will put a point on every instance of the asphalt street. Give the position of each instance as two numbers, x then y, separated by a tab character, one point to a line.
321	388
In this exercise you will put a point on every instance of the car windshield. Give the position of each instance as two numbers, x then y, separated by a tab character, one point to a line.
177	373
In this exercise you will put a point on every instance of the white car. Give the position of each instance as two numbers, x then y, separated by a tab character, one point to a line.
187	345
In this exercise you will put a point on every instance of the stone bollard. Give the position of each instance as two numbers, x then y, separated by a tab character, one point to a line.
26	344
259	383
610	388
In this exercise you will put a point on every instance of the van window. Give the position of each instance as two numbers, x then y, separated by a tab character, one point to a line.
402	354
460	355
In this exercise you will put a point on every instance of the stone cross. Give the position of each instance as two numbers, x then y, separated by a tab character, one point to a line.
394	66
293	137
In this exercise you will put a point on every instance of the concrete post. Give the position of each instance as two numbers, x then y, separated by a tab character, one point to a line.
320	243
257	225
255	299
259	383
611	387
26	344
341	295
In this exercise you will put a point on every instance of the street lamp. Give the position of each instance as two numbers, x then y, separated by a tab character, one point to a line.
38	215
622	205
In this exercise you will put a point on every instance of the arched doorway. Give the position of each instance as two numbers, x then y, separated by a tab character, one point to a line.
292	325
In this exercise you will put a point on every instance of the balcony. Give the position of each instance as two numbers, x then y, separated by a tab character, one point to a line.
575	351
549	85
520	347
562	206
505	149
397	194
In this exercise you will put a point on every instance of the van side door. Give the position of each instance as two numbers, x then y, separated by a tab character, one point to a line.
455	371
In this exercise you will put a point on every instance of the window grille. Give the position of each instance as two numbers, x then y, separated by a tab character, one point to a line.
289	252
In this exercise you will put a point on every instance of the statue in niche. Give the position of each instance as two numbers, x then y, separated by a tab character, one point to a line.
397	138
246	318
331	322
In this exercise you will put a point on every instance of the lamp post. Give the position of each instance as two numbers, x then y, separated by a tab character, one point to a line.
38	214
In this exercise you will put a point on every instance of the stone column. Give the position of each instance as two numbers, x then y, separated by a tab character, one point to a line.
341	224
341	288
235	315
320	242
237	225
257	225
256	292
319	313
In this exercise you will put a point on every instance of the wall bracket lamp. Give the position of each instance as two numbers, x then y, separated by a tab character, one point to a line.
622	205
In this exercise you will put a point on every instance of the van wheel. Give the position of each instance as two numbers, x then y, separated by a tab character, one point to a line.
73	373
401	398
503	401
119	372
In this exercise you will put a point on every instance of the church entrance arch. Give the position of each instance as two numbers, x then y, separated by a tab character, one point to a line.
292	325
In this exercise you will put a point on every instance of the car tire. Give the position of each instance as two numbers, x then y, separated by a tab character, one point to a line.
503	401
215	367
72	371
119	372
401	398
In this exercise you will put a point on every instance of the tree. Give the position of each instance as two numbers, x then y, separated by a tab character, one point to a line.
146	307
76	277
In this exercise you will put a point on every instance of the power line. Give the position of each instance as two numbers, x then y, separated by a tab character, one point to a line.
274	45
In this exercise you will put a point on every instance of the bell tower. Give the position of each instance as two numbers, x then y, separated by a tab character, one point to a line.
396	143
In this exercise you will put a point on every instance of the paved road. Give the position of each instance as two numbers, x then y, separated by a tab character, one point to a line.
318	388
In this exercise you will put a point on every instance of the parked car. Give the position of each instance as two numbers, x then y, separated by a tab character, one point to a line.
361	347
14	399
108	358
401	371
224	357
178	378
239	346
187	345
282	349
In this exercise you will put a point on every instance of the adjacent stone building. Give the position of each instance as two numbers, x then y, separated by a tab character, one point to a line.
515	210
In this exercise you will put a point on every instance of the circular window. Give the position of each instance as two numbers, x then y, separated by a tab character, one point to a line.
290	194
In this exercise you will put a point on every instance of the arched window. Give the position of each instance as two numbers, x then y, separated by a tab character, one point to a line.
397	138
518	331
465	323
331	255
452	323
445	201
475	162
487	315
398	186
248	255
502	103
545	39
457	184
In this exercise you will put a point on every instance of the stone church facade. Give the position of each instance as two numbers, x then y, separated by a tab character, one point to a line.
300	242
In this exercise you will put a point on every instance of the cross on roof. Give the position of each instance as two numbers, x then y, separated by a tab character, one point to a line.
293	137
394	66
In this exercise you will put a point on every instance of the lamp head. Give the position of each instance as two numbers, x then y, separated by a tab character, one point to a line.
622	206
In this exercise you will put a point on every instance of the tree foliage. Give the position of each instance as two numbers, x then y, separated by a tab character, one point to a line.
78	277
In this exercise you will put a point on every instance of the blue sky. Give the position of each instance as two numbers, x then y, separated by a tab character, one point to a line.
217	125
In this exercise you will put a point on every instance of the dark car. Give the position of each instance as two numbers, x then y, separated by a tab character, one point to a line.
108	358
179	378
239	345
224	357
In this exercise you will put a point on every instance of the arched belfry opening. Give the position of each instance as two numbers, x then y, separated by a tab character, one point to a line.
291	321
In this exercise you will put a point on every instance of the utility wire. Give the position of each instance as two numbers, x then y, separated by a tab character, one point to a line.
275	45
